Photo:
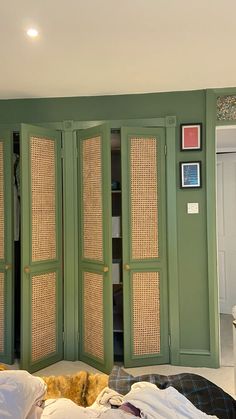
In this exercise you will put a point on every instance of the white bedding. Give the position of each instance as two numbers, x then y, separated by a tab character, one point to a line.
21	395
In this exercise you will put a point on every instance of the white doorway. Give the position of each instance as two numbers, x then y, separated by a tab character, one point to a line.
226	235
226	216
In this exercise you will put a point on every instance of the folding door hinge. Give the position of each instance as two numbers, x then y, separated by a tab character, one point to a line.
62	153
169	341
78	336
63	336
165	149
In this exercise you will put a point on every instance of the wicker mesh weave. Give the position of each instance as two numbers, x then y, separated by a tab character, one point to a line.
43	315
43	199
146	313
144	199
92	199
93	314
2	328
1	202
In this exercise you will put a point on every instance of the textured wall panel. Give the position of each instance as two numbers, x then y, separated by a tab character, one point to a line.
43	187
43	315
226	108
146	313
2	312
93	315
92	199
144	199
1	202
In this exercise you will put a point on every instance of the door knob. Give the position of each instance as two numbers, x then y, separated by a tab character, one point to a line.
7	266
105	269
127	267
27	269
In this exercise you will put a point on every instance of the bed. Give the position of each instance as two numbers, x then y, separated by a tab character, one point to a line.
202	393
153	396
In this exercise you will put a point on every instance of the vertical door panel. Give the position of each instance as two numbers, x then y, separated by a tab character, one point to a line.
94	179
41	227
144	247
226	207
6	250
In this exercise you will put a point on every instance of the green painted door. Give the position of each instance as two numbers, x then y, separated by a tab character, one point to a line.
144	246
41	248
95	253
6	249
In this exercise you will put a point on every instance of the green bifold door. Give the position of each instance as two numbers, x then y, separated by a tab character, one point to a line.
144	259
145	298
41	248
6	251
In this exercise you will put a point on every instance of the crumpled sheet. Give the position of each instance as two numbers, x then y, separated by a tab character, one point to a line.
152	402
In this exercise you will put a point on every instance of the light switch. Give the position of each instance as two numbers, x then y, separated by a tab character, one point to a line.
192	208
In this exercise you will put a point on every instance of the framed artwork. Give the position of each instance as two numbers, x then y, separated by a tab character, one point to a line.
191	136
190	174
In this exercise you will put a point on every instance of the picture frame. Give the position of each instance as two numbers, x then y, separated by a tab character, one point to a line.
191	136
190	174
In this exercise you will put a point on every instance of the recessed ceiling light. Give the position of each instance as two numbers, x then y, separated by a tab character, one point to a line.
32	32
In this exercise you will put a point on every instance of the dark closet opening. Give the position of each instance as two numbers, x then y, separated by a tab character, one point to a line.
118	329
16	232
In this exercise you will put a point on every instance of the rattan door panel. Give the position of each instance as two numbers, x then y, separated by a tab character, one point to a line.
144	247
93	343
6	250
95	256
41	198
145	303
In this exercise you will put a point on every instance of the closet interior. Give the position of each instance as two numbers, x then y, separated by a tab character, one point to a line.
117	246
16	250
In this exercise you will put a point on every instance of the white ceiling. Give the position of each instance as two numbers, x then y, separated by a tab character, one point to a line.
99	47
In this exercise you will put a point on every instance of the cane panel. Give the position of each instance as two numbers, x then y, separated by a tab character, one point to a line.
92	199
2	328
146	313
43	315
43	188
144	198
1	202
93	315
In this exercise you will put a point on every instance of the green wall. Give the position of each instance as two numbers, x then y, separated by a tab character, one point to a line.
187	106
195	329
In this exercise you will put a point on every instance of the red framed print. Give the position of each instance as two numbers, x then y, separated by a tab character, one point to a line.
190	135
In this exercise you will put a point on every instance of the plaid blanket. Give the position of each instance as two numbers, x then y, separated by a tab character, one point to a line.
205	395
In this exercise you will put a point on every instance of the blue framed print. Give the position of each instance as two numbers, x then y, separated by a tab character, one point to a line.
190	174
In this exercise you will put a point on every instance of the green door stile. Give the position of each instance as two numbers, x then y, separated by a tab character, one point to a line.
144	277
41	244
95	252
6	249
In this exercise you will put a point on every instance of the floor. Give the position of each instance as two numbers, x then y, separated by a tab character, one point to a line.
226	333
223	376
